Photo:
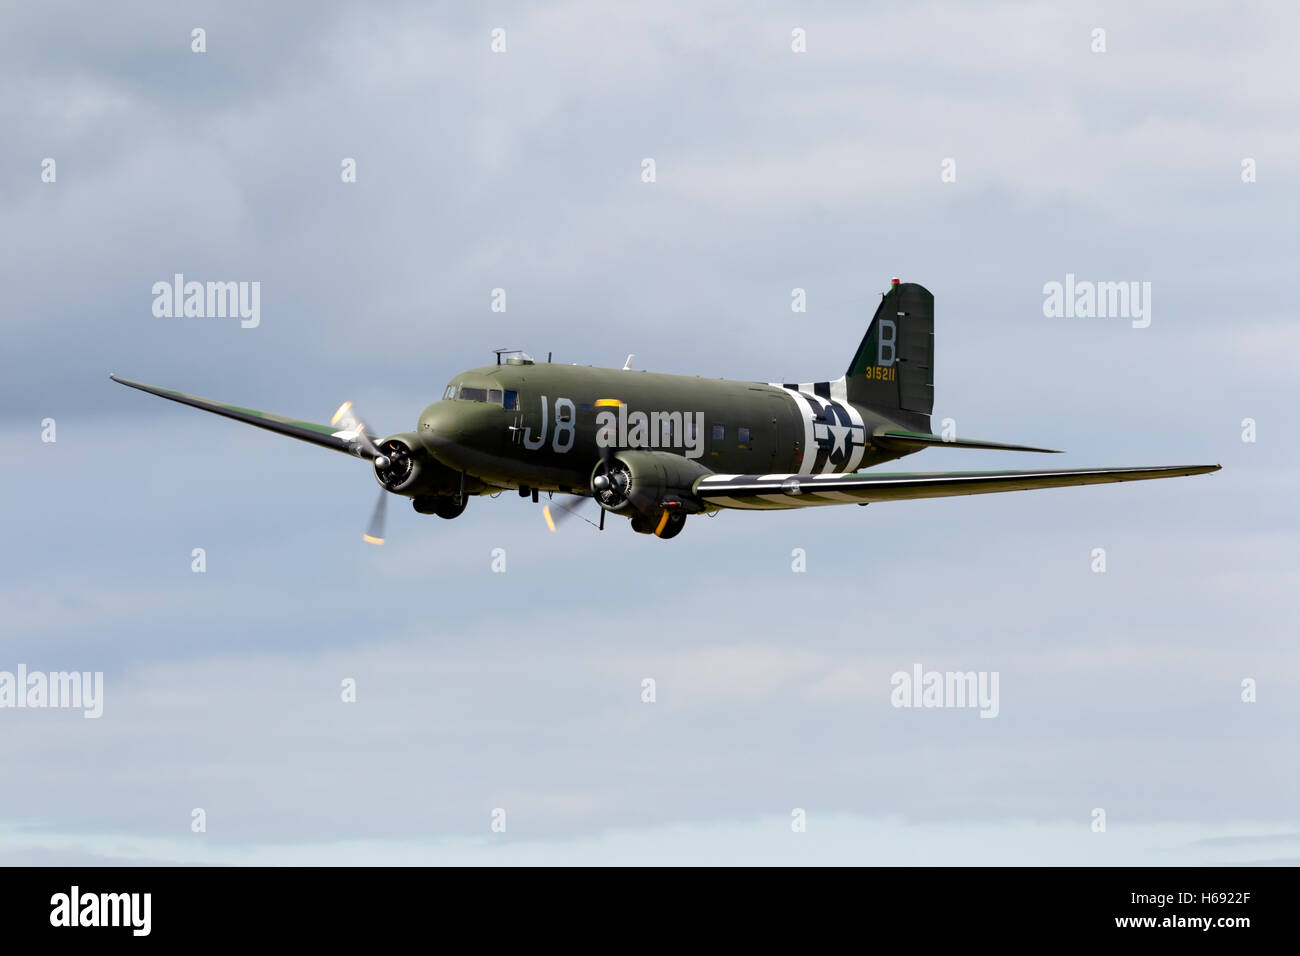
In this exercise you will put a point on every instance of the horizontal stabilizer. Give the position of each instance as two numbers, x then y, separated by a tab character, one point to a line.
914	441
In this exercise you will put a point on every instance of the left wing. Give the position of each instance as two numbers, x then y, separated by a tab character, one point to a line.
345	434
801	491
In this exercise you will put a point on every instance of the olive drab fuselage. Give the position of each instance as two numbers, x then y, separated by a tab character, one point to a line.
537	425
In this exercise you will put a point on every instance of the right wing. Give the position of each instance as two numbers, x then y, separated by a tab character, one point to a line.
801	491
347	438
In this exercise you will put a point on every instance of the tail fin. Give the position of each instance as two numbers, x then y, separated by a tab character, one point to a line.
893	370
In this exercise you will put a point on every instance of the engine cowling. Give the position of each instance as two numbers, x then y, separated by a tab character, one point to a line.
646	483
405	468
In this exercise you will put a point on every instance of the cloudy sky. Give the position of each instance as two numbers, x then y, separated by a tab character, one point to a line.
775	170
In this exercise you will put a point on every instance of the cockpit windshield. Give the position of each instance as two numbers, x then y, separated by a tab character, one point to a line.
505	398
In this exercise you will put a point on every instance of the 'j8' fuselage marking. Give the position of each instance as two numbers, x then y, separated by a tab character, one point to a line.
618	427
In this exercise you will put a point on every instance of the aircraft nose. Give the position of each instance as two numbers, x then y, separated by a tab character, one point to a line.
441	427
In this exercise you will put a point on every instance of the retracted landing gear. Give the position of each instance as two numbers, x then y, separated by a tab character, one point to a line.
669	524
444	506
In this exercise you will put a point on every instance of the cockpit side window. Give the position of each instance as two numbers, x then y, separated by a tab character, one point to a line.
511	402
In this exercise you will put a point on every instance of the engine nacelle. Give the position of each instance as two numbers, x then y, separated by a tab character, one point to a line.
647	482
411	471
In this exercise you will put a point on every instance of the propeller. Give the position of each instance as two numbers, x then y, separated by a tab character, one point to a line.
355	431
611	485
563	512
375	532
600	484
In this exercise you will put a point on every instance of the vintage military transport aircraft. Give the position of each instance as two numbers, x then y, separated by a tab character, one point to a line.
656	448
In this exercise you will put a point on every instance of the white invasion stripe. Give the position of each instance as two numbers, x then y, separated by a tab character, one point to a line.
746	504
718	478
774	477
823	477
840	390
837	496
811	501
1021	480
825	499
840	393
809	442
829	466
809	401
